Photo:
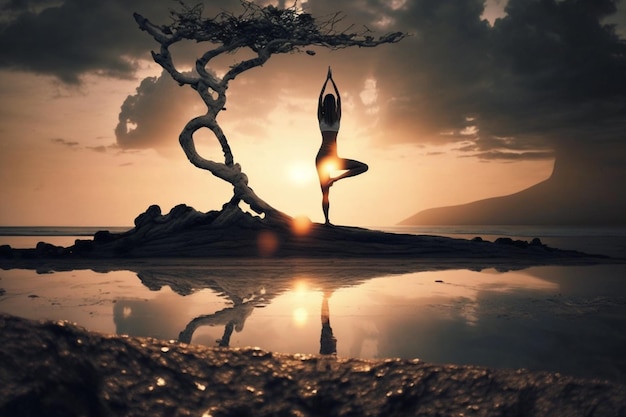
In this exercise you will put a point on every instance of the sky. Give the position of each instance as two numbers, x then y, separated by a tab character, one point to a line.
483	99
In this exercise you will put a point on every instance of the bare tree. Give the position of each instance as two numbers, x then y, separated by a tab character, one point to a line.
263	30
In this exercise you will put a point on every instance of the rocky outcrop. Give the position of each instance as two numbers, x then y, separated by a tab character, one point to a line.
187	233
58	369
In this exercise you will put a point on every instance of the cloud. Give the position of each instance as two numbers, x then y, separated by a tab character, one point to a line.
154	116
75	145
65	142
548	75
98	149
69	38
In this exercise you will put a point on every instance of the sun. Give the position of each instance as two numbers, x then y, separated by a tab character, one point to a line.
301	173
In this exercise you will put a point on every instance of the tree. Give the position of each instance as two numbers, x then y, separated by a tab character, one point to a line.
263	30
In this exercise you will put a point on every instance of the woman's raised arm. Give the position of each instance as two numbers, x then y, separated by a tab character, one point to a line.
338	97
319	101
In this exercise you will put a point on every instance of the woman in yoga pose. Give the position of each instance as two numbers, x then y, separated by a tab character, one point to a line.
327	160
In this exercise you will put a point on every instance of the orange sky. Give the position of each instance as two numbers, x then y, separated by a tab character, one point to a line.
55	170
61	164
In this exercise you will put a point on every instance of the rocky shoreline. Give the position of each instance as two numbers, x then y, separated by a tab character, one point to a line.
188	233
55	368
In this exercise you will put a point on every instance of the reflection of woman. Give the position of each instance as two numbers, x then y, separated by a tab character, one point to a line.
328	342
329	116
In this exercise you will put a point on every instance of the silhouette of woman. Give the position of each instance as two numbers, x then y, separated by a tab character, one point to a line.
329	117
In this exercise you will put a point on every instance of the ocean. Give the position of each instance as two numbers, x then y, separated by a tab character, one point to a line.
567	319
24	237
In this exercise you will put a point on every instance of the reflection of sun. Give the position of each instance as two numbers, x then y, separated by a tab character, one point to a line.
300	295
300	288
300	316
300	173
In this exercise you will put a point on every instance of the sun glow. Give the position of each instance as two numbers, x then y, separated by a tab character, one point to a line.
300	316
301	293
301	173
329	166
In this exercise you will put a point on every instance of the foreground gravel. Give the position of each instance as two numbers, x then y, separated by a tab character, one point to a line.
58	369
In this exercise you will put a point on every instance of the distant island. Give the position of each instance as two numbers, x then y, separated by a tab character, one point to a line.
570	196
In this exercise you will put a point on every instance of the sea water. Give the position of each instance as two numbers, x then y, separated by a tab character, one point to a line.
20	237
568	319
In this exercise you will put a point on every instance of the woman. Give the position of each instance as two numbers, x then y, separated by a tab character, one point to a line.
329	116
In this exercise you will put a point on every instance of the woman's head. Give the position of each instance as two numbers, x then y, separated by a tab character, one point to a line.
329	108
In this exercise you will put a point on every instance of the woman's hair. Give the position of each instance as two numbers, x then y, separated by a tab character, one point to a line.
329	109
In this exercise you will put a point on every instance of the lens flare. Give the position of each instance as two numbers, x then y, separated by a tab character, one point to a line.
267	243
301	225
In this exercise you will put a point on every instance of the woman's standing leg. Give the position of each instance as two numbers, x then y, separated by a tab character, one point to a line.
325	183
326	203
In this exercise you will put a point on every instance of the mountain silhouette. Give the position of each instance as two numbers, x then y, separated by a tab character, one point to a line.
584	189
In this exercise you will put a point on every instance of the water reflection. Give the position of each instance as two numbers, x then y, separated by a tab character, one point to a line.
548	318
328	342
565	319
232	318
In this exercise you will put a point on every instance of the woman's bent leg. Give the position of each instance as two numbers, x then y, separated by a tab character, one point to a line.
353	168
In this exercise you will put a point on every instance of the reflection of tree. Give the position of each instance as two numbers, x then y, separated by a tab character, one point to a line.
262	31
248	283
232	318
328	342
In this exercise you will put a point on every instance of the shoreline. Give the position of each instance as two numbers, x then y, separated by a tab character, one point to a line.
382	264
61	368
185	233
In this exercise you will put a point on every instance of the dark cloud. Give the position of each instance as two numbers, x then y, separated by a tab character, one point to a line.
155	115
70	38
548	75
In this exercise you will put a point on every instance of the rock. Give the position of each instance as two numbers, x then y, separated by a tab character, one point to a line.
230	232
47	249
6	251
104	236
152	213
511	242
58	369
536	242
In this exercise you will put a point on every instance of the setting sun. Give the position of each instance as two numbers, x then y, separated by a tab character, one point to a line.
301	173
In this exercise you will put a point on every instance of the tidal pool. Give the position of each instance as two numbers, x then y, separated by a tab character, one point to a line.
564	319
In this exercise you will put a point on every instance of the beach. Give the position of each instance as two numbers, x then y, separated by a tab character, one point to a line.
503	315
